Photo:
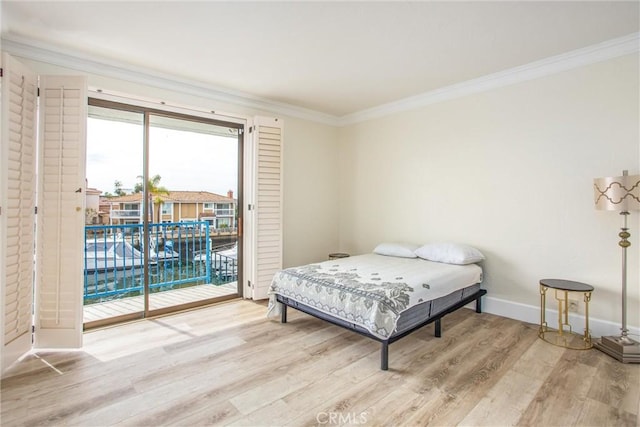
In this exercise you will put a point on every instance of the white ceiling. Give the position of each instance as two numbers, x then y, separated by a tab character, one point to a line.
333	57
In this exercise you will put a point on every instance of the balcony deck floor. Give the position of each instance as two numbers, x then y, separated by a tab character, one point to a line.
157	300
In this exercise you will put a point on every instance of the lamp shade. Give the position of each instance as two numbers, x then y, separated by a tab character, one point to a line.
617	193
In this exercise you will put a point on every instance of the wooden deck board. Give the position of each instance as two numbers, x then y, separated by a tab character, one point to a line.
157	300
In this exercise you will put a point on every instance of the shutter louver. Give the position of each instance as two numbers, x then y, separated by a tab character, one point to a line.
63	115
268	204
18	186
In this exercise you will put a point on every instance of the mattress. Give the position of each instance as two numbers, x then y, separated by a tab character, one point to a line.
373	291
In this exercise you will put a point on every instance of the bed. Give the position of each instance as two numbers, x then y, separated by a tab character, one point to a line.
384	295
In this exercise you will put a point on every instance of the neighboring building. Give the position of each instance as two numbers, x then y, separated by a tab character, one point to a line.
177	206
92	212
105	210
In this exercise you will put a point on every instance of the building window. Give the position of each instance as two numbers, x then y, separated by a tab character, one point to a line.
224	209
223	223
167	208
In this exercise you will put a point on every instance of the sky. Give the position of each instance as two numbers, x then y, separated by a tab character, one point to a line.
184	160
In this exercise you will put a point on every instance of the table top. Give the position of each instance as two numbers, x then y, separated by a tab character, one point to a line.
338	255
566	285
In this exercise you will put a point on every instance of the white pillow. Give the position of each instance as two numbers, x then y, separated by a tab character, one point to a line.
450	253
402	250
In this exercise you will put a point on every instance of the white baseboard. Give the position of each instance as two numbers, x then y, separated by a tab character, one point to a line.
531	314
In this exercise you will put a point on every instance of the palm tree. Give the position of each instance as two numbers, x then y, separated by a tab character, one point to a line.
155	192
117	185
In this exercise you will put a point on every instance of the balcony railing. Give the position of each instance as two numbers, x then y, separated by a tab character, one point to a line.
224	212
114	261
121	213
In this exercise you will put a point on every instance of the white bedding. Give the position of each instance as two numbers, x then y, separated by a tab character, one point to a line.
370	290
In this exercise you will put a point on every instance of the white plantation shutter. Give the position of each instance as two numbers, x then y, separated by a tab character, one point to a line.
268	203
60	219
17	200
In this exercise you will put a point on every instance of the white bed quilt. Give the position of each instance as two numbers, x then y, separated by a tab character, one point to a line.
370	290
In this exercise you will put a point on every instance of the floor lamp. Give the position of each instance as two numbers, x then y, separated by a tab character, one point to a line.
622	194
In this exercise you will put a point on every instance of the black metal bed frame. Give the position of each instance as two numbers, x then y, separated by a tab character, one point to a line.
384	351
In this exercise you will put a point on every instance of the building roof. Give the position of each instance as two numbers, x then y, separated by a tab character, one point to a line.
179	197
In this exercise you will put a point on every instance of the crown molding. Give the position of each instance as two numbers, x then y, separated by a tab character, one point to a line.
555	64
55	55
39	51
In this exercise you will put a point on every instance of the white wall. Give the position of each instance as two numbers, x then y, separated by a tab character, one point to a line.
311	190
509	171
310	166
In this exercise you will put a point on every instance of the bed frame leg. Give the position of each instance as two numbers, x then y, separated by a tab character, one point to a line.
478	305
384	356
438	327
283	315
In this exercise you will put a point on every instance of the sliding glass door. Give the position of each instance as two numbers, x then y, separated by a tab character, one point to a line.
193	187
162	230
113	263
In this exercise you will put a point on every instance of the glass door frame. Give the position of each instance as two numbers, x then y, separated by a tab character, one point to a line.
147	112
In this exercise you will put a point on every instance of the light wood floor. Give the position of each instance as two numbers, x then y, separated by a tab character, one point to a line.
228	365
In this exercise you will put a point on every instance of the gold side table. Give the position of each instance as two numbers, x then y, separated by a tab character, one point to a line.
564	335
